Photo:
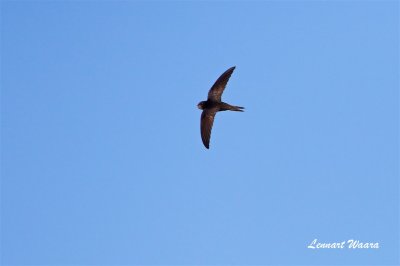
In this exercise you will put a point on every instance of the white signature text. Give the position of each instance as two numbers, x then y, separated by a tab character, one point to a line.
350	244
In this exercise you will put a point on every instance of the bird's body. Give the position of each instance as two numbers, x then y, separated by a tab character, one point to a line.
213	105
220	106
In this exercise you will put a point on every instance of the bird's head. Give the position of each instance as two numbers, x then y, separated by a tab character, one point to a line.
200	105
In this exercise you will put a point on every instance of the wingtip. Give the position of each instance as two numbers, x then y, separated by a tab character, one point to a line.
206	145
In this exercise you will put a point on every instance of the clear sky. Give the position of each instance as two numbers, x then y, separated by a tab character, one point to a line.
101	155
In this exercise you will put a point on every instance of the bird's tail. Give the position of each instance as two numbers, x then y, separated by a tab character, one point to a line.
225	106
238	108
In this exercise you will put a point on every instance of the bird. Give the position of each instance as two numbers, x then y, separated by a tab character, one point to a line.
213	105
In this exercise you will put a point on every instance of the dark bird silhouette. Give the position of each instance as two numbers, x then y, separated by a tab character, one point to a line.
213	105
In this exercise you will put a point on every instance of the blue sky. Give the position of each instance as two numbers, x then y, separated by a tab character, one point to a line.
101	156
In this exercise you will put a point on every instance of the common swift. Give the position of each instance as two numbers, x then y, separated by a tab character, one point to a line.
213	105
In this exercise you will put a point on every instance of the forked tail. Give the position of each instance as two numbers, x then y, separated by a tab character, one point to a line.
238	108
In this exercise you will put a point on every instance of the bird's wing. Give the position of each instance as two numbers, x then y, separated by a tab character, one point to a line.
217	89
206	123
